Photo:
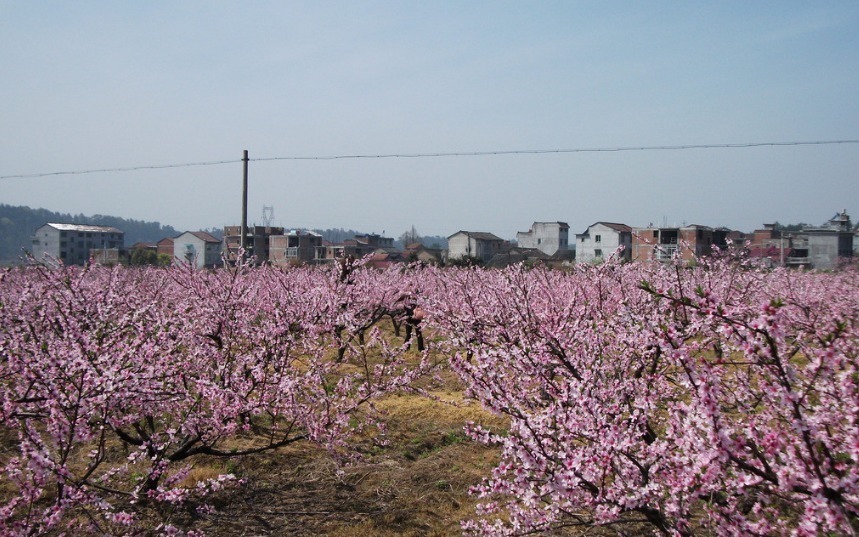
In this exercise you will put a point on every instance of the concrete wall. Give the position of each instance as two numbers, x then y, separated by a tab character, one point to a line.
458	246
70	246
823	249
295	248
187	248
600	242
487	249
46	242
462	244
548	237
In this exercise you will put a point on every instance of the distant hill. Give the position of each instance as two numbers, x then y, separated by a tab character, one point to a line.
17	225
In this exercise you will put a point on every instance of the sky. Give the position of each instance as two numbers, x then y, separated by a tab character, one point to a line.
106	85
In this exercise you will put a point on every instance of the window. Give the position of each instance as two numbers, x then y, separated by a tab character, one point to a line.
598	253
598	238
539	241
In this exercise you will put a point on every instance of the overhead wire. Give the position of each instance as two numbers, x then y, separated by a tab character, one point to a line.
438	155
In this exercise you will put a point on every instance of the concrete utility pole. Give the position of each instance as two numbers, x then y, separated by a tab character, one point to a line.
243	242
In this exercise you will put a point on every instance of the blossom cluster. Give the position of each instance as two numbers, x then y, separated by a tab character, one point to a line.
717	398
115	381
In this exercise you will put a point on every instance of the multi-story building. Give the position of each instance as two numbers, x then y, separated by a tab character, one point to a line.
812	247
834	237
601	240
775	248
548	237
257	242
72	243
666	243
825	245
296	247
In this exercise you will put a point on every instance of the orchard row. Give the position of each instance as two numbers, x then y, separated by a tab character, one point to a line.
719	398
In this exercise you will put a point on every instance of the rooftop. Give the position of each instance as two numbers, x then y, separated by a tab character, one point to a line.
479	235
84	227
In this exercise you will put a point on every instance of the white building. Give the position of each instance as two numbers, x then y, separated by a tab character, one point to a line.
824	246
71	243
197	248
476	244
548	237
601	240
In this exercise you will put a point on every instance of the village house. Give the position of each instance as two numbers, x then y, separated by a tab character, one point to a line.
667	243
601	240
197	248
548	237
165	246
416	251
383	259
476	244
516	254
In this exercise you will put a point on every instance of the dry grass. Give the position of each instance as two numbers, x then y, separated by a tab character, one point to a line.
416	485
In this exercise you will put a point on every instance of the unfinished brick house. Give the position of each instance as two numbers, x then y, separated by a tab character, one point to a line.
666	243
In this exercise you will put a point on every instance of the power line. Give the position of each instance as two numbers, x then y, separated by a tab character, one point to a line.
126	169
442	154
578	150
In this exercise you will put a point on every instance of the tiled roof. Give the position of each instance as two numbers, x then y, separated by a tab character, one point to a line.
480	235
617	227
203	236
620	228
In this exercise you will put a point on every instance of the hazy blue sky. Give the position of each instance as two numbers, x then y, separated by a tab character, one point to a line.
93	85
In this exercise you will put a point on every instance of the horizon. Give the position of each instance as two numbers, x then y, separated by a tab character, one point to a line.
396	236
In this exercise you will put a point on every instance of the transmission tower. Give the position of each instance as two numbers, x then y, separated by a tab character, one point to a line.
267	215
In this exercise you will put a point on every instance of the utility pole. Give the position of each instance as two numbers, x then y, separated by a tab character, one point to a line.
243	242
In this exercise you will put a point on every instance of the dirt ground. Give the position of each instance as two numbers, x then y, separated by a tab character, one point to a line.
417	485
